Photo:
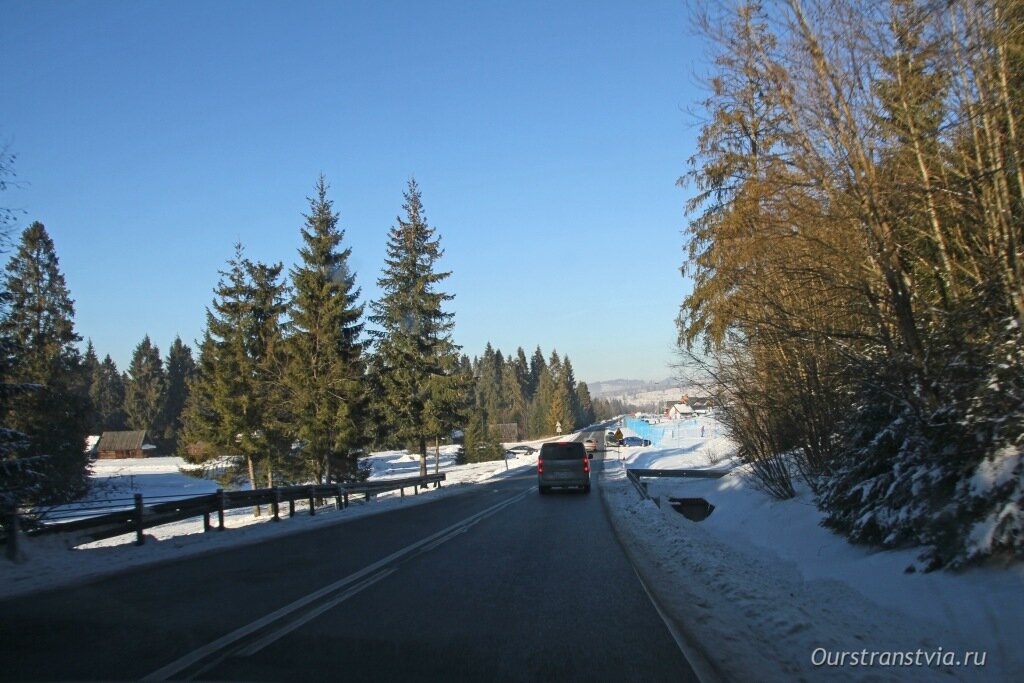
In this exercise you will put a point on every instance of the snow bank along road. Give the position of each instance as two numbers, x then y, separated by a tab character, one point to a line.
498	583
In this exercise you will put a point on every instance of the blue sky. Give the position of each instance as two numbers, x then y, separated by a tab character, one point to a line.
546	138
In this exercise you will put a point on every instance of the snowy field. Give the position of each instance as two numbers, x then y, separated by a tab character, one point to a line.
759	586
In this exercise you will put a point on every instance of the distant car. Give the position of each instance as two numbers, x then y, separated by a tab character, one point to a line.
635	441
563	464
590	445
522	450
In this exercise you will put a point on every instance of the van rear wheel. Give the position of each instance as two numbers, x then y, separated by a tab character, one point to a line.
544	490
586	489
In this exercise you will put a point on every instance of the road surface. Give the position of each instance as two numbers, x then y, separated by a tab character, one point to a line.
497	583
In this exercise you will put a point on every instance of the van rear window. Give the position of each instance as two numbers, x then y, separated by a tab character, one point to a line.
563	451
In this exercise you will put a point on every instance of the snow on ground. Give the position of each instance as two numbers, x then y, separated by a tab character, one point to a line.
764	588
53	561
759	586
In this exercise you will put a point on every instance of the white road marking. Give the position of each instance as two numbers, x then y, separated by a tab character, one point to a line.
279	633
225	641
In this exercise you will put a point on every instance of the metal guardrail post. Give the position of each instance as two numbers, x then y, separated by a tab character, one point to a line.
337	500
312	501
13	532
291	505
140	538
221	501
276	504
345	499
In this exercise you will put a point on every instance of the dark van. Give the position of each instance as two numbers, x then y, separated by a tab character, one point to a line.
563	463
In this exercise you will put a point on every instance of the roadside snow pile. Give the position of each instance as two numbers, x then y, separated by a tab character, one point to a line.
761	587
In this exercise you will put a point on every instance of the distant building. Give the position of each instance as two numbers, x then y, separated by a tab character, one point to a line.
122	445
702	404
680	411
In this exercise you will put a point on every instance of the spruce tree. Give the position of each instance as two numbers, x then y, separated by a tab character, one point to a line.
560	417
146	390
17	476
233	406
585	405
180	369
272	418
481	442
488	381
569	381
537	365
449	401
90	373
107	396
522	370
214	409
540	406
513	402
326	365
48	400
415	354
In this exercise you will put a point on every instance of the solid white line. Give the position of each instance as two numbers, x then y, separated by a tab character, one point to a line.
699	664
197	655
276	635
442	541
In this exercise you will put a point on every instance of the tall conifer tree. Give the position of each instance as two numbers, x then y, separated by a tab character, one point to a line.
513	402
232	407
90	373
107	395
585	405
540	406
180	369
416	356
537	364
326	367
38	328
146	390
560	417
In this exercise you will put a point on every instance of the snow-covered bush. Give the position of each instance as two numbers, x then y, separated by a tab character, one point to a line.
950	479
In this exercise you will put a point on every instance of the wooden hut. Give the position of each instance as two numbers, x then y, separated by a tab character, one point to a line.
121	445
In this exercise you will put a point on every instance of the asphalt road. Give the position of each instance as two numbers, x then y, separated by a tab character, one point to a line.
497	583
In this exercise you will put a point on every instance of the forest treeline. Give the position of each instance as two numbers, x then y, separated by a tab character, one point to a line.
293	373
856	252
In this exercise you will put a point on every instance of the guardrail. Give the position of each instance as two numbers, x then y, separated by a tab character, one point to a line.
141	516
700	474
634	474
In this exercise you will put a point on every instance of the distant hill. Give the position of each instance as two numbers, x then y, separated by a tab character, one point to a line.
644	394
614	388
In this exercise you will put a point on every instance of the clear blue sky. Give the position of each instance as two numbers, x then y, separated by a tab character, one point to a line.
546	138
